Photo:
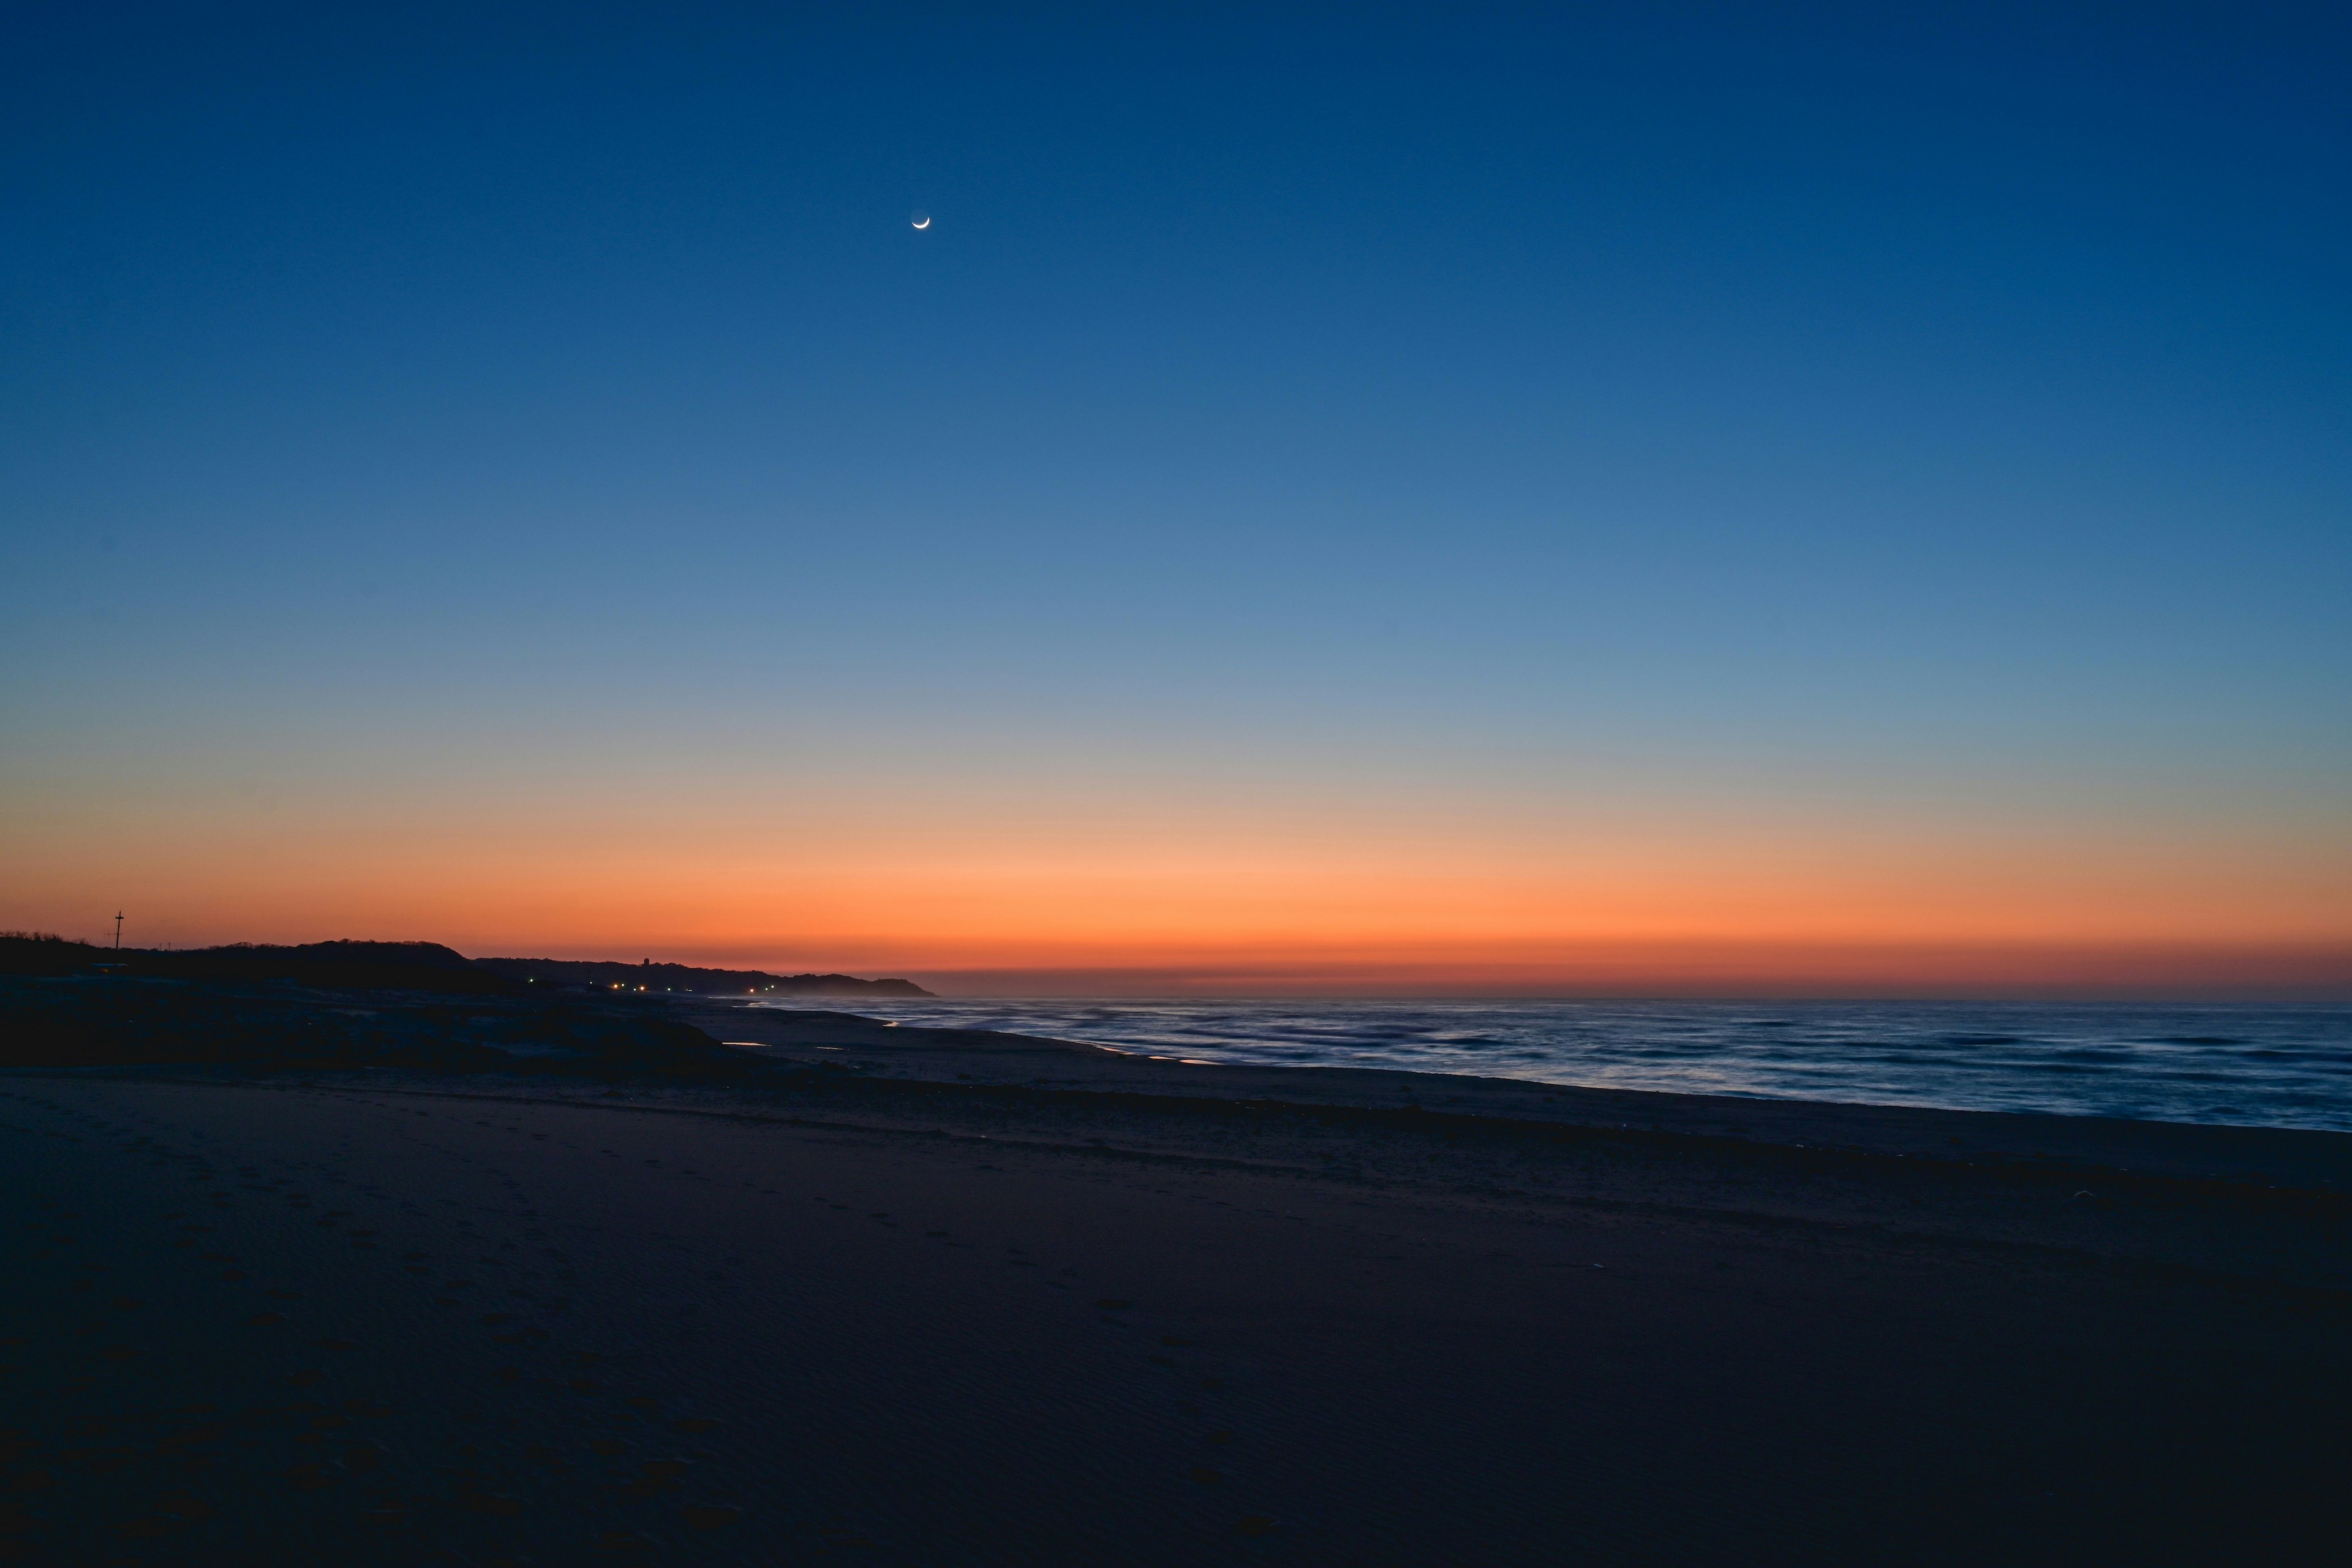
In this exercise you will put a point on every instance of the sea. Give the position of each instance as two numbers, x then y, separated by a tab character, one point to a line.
2274	1066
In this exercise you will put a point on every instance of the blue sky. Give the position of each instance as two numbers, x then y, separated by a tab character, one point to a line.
1827	405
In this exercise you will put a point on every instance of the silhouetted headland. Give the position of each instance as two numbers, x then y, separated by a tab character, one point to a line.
361	1003
679	977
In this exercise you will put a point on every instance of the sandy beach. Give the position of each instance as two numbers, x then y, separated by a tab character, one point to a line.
944	1298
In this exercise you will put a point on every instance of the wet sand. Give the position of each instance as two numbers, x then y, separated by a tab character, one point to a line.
921	1307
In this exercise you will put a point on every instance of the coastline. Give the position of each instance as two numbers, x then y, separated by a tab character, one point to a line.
2250	1064
907	1295
2291	1158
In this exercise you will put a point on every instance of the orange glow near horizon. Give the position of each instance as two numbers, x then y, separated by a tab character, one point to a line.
1333	903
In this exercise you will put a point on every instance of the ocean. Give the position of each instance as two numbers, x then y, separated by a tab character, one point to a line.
2279	1066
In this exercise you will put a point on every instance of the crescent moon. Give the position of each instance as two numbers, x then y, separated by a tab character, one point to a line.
924	221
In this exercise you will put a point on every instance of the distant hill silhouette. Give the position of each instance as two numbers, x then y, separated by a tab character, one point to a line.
371	966
415	966
274	1012
686	978
76	1004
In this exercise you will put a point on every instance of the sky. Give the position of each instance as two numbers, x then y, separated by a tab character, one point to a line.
1631	500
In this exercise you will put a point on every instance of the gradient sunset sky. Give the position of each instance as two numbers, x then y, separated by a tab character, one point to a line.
1641	499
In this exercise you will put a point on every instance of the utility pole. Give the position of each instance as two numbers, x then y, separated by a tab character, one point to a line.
118	930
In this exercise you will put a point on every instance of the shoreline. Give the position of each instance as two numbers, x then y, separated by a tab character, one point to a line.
910	1296
2235	1065
2285	1157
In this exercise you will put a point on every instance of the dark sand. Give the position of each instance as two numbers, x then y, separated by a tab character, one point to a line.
891	1315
